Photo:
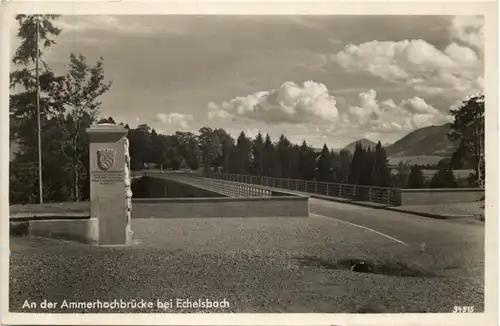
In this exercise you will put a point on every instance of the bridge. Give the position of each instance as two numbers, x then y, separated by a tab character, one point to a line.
361	206
291	238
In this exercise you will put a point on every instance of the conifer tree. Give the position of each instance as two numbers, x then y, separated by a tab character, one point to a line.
258	155
356	166
367	167
270	164
381	175
306	162
242	153
284	155
345	158
325	166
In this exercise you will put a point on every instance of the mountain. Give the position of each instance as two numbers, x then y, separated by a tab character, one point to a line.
364	142
432	140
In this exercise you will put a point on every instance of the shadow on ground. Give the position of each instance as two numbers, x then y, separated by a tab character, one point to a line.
389	268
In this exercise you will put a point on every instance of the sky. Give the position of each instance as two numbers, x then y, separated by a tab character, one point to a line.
324	79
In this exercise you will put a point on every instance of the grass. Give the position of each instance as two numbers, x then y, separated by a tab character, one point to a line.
474	209
257	264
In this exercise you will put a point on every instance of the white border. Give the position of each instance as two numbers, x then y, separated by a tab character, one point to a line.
422	7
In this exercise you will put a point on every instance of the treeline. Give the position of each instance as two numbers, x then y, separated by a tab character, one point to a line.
216	150
412	177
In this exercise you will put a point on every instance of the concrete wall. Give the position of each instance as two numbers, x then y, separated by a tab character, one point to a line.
220	207
440	196
84	230
157	187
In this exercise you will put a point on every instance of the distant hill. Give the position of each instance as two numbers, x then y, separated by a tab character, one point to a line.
364	142
432	140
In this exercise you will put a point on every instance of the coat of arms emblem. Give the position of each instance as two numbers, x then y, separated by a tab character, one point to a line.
105	158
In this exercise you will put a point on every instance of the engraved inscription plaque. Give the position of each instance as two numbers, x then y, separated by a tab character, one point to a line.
108	177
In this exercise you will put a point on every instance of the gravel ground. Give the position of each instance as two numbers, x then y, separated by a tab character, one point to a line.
459	209
257	264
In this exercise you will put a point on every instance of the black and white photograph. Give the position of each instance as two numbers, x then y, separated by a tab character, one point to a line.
250	163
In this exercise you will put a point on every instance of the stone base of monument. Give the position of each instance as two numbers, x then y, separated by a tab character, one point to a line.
79	230
82	230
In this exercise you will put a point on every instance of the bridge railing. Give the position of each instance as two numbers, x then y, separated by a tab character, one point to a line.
225	187
383	195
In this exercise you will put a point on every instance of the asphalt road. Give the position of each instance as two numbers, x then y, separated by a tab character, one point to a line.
411	229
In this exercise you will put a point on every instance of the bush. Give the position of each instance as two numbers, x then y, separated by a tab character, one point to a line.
19	228
444	178
416	178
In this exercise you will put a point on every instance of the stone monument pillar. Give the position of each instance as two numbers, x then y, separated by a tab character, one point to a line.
110	183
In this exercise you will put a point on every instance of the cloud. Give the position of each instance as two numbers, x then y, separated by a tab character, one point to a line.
85	23
177	120
388	117
292	103
453	72
214	112
469	30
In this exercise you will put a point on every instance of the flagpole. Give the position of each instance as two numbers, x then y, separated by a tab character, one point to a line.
38	116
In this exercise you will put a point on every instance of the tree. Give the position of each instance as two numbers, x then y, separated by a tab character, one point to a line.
325	166
294	161
270	166
68	105
210	147
284	156
416	179
107	120
226	148
402	175
344	165
189	149
173	153
83	85
381	174
444	163
242	154
31	83
444	178
468	131
306	162
367	166
258	155
356	167
157	155
140	147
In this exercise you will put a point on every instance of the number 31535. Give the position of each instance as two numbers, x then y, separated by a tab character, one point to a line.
463	309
